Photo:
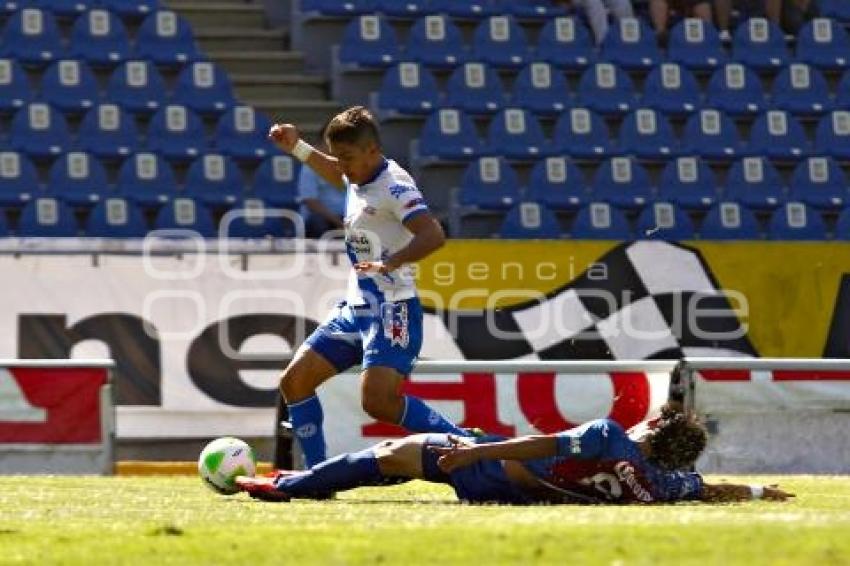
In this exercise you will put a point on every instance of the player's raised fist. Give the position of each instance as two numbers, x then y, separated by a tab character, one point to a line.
284	135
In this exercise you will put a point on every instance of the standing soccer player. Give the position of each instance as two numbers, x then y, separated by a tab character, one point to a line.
379	324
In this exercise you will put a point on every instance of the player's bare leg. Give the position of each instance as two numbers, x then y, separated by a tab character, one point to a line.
381	397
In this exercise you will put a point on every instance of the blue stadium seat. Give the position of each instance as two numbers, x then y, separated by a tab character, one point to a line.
108	131
565	42
436	41
242	133
70	86
760	44
842	95
541	88
215	180
345	7
842	226
833	135
796	221
47	217
664	221
130	8
729	220
582	133
755	182
500	41
623	182
32	37
62	8
736	90
18	179
99	37
77	178
802	90
409	88
517	134
205	88
147	178
711	134
672	89
177	133
600	221
462	8
406	9
166	38
557	183
489	183
778	135
276	181
647	134
688	182
250	219
40	131
838	9
449	134
115	217
696	45
186	214
824	44
819	182
4	227
137	86
475	88
14	86
369	41
540	9
631	44
530	221
607	89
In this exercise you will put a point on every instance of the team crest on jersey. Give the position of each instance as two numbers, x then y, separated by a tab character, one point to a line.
396	328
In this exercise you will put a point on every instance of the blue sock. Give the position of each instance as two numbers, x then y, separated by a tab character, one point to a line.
306	417
342	472
419	417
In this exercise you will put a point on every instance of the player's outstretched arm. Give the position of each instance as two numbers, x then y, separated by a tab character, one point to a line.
463	453
287	139
727	492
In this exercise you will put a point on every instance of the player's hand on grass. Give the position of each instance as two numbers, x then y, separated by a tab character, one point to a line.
285	136
461	453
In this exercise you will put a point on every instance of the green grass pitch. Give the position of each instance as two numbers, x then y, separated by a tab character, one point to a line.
159	521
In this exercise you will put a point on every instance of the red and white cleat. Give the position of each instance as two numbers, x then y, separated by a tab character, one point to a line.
277	474
261	488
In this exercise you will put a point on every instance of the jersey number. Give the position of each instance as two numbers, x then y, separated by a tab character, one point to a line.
606	484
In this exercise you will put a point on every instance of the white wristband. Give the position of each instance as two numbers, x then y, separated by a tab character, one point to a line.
756	491
302	151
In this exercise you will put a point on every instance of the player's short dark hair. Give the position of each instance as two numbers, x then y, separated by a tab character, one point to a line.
678	440
355	126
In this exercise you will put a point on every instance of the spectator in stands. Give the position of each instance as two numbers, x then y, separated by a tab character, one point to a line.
790	14
596	12
659	13
322	204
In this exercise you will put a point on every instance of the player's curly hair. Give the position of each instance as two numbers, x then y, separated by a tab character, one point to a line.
678	439
355	126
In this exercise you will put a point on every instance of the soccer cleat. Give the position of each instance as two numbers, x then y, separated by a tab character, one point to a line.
261	488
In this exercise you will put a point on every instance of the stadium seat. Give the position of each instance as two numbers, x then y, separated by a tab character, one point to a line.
64	8
4	227
108	131
186	214
147	179
14	86
760	44
177	133
557	183
819	182
796	221
672	89
449	134
242	133
664	221
130	8
736	90
436	41
838	9
824	44
582	133
166	38
250	219
462	8
647	134
409	88
541	88
369	41
406	9
475	88
99	38
489	183
530	221
18	179
688	182
517	134
115	217
711	134
500	41
47	217
842	226
606	88
345	7
32	37
565	42
729	220
600	221
755	183
205	88
778	135
696	45
842	95
802	90
214	180
541	9
276	181
631	44
623	182
77	178
137	86
39	131
69	86
833	135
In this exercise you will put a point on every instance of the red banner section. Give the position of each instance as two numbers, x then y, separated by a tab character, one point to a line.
776	375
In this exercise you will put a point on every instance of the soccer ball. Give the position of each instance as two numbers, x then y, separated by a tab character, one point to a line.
222	460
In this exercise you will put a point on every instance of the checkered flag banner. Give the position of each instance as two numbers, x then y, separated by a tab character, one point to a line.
642	300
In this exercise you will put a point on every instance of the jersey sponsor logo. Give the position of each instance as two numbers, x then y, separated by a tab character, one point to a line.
626	473
359	243
398	190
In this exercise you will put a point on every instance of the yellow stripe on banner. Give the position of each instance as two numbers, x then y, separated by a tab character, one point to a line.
145	468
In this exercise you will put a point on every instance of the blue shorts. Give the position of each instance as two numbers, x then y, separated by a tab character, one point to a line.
388	336
483	482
